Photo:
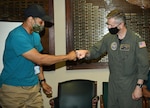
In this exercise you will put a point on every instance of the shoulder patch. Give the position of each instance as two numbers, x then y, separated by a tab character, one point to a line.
142	44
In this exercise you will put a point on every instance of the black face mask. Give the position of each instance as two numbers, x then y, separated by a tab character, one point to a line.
114	30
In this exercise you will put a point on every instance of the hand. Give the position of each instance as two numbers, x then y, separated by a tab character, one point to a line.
137	94
72	56
47	89
82	53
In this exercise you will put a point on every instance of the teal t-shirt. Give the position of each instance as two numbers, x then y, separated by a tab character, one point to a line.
19	71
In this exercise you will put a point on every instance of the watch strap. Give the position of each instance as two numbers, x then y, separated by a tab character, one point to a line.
43	80
140	85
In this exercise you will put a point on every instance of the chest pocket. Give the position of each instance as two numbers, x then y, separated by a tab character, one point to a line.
124	51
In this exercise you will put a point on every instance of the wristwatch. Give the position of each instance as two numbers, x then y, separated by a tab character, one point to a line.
140	85
42	80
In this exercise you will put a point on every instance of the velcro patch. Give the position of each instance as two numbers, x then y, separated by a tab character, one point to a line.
142	44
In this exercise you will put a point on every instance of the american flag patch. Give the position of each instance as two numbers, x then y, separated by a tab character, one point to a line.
142	44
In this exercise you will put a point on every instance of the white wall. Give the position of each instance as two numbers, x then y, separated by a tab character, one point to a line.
61	74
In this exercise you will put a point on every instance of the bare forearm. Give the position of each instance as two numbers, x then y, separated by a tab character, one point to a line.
41	74
51	59
46	59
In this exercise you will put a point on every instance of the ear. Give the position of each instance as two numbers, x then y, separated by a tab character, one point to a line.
121	25
30	18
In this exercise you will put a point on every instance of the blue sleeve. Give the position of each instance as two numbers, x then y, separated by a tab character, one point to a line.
21	44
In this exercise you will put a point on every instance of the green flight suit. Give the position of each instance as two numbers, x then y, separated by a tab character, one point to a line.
128	62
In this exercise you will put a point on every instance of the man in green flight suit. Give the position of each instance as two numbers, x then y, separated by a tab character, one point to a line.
128	62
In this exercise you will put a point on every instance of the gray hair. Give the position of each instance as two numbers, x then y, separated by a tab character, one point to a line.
118	15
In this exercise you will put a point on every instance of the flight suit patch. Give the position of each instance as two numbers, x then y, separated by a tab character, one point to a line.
142	44
114	45
124	47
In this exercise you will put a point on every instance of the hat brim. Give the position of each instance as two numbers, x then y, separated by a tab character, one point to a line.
49	24
47	18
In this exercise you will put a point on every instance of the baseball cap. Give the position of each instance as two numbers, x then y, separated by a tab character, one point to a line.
36	10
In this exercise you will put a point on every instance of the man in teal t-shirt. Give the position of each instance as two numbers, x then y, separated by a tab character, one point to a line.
19	80
17	43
